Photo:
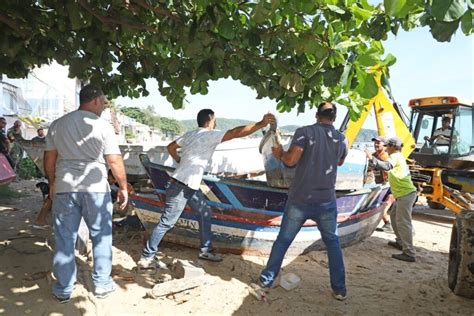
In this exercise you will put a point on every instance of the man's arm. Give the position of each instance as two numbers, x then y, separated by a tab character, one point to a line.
115	163
290	157
49	164
173	150
242	131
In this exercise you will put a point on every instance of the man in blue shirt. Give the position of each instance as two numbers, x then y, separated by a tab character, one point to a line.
316	150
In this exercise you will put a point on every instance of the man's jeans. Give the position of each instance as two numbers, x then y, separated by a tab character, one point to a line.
325	214
177	196
68	209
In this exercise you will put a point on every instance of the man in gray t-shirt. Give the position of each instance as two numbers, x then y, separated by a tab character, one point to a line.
316	150
79	146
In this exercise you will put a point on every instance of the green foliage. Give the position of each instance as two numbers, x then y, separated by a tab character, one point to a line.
27	169
298	53
168	125
148	117
222	124
7	193
129	135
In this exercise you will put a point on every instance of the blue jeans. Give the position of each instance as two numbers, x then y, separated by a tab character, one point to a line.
177	196
67	211
325	214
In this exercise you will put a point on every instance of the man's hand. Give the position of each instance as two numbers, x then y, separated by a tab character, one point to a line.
122	198
368	154
51	191
268	118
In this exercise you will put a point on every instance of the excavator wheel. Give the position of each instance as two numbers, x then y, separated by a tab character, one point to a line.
436	205
461	255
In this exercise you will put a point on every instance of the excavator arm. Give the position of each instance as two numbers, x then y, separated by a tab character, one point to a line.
388	120
389	124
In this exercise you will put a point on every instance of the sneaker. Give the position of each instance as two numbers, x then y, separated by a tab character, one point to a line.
62	300
339	296
151	263
210	256
395	245
103	293
386	228
404	257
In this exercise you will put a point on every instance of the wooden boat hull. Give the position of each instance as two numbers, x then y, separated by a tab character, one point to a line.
7	174
247	215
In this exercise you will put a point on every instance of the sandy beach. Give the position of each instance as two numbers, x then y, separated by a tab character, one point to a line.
377	284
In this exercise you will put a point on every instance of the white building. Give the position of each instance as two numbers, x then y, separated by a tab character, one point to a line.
49	91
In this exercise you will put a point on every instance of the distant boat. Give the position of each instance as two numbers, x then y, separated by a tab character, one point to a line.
247	214
235	158
7	174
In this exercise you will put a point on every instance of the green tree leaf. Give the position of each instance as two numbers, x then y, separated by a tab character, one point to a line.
467	22
443	31
226	29
448	10
394	7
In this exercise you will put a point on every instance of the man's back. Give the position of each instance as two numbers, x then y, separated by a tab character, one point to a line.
197	147
316	171
81	139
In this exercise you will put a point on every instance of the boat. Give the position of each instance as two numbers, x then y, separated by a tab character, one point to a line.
236	158
247	214
7	174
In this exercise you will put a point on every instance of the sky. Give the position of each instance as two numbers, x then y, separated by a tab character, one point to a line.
424	67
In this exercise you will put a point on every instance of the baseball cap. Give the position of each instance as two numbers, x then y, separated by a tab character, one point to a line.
395	141
379	139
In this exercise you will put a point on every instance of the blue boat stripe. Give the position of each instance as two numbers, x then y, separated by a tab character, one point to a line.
241	208
229	195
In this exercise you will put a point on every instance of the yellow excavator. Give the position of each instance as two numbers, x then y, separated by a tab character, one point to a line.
438	141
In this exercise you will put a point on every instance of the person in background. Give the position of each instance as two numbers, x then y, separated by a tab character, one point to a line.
404	192
442	135
380	177
79	147
4	142
316	151
14	132
41	137
14	136
197	147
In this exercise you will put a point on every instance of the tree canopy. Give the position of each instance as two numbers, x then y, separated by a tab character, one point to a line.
296	52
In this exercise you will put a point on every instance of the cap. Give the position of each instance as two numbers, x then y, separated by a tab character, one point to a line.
379	139
395	141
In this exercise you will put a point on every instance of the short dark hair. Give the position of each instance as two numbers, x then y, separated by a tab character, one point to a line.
40	129
89	93
204	116
446	119
327	113
3	119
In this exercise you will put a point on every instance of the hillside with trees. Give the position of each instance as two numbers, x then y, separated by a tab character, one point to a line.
148	117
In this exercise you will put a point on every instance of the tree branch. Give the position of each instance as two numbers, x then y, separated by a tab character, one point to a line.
158	11
107	20
13	25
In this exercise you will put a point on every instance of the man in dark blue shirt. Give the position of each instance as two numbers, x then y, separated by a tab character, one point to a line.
316	150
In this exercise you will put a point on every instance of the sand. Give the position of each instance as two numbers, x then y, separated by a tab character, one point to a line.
377	284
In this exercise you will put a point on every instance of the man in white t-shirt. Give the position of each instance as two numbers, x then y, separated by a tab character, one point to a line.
197	147
79	146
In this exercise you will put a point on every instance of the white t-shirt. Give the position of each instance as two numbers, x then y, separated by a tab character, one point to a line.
81	139
197	147
445	132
